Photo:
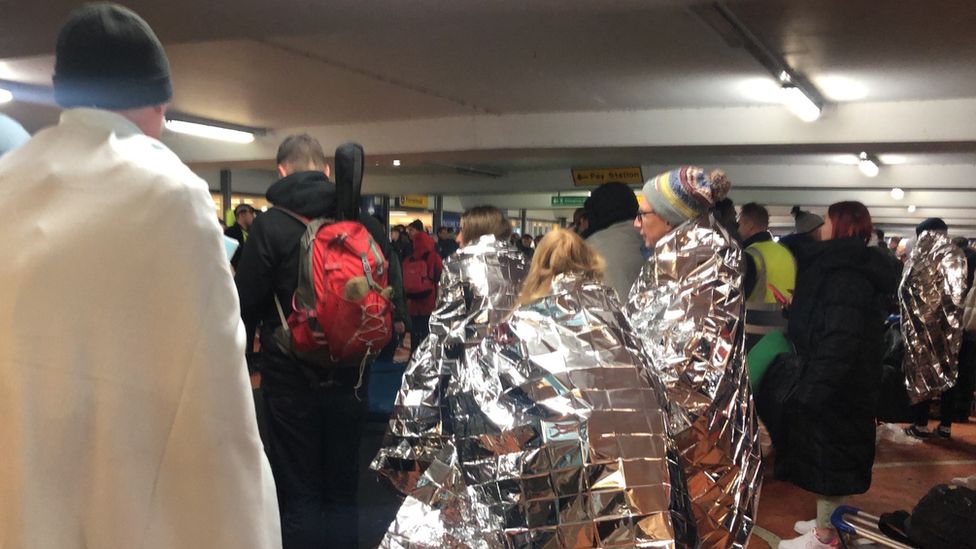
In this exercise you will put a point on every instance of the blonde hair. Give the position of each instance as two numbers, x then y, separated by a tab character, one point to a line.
482	220
560	252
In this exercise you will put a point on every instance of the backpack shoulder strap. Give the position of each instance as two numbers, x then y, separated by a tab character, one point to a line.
300	218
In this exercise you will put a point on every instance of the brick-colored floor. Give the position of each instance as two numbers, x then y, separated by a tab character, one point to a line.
902	475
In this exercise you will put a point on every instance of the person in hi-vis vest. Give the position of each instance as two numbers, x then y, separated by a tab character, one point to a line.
770	275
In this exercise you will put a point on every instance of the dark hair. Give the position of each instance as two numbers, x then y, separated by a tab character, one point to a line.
443	228
300	153
482	220
931	224
417	224
755	213
850	218
880	234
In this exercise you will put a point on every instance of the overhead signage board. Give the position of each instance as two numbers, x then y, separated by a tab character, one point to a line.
420	201
599	176
568	201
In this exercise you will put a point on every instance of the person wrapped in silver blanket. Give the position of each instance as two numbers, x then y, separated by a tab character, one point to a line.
687	307
559	434
478	289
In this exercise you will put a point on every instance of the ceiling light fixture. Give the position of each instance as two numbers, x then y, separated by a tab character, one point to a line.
892	159
798	94
912	208
396	162
840	88
797	101
897	193
847	159
208	131
6	96
870	168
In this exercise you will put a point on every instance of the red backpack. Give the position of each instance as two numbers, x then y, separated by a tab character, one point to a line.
418	282
341	307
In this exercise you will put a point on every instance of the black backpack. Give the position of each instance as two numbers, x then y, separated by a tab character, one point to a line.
945	518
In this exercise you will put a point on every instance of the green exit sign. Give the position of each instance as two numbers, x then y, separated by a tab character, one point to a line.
563	201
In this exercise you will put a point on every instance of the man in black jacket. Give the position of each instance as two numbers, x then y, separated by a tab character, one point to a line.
314	414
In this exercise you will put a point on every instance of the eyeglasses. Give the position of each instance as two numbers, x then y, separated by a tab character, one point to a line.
640	216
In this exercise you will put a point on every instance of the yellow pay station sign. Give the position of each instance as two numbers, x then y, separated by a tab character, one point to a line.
599	176
414	201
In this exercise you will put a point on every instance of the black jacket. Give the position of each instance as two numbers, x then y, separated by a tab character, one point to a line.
269	265
446	247
836	324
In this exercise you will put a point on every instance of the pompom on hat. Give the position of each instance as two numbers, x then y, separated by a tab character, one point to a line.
805	222
685	193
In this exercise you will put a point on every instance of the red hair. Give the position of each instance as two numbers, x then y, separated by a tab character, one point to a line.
850	219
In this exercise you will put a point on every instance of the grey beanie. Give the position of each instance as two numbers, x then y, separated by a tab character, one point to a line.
107	57
806	222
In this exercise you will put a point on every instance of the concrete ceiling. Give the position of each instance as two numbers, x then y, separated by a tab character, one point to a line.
526	90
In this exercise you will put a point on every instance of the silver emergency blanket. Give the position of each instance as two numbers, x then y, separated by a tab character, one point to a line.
558	439
931	296
478	289
687	307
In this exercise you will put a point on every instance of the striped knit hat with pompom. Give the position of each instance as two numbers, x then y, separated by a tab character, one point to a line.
685	193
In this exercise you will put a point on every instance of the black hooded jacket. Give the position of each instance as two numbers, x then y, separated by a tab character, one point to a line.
269	261
836	324
608	204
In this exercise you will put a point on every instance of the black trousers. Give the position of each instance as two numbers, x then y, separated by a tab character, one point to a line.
419	330
314	453
947	409
966	383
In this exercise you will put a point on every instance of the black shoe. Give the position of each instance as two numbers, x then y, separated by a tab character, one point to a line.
918	431
944	431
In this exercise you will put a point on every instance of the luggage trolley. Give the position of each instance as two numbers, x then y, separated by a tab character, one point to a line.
851	522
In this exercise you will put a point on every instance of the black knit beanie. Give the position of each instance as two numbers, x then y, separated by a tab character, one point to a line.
109	58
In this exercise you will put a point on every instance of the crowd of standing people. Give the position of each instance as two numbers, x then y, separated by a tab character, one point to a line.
610	384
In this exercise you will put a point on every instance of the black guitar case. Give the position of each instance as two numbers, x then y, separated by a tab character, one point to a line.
350	159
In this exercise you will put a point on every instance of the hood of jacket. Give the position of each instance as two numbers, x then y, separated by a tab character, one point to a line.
880	268
310	194
609	204
423	243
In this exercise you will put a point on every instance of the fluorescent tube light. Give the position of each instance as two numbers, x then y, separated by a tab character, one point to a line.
209	132
799	104
870	168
